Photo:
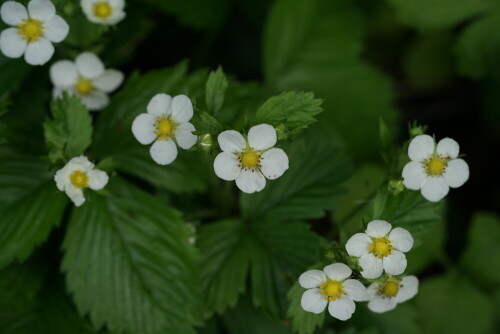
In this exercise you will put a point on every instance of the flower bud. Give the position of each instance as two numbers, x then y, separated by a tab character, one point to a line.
395	187
281	132
206	142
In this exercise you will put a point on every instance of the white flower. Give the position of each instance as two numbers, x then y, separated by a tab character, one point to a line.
333	288
106	12
434	168
380	248
87	78
33	31
386	295
166	123
78	174
248	160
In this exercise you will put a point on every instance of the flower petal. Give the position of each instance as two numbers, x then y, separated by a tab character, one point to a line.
401	239
356	290
160	105
182	109
109	80
373	290
81	162
39	52
274	163
313	302
13	13
62	178
184	136
226	166
372	266
448	147
421	147
41	9
250	181
56	29
342	308
378	228
337	271
63	73
95	100
456	173
408	289
89	65
143	129
358	244
11	43
435	188
381	304
163	152
231	141
75	195
312	279
414	175
97	179
395	263
261	137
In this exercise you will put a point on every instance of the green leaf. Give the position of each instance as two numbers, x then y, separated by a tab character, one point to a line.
403	319
30	205
13	73
215	90
296	110
3	110
307	189
302	322
206	123
69	133
129	265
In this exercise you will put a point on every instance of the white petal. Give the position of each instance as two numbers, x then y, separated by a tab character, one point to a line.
95	100
448	147
160	105
41	9
163	152
421	147
401	239
39	52
456	173
81	162
337	271
143	129
56	29
226	166
274	163
13	13
184	136
231	141
109	80
356	290
358	244
408	289
373	290
62	178
313	302
342	308
372	266
434	189
312	279
414	175
261	137
395	264
381	304
250	181
182	109
378	228
89	65
63	73
97	179
11	43
75	194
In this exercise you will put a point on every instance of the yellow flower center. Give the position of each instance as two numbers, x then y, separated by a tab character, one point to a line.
250	159
436	166
79	179
332	290
102	9
380	247
30	30
164	127
83	86
390	288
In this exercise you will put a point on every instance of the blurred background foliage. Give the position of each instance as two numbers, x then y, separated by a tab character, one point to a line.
433	61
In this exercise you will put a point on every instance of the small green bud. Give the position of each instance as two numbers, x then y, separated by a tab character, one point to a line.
395	187
206	142
281	132
417	130
330	256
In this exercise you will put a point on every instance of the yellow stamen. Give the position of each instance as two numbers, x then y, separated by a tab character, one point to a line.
332	290
250	159
390	288
102	9
436	166
164	127
30	30
380	247
83	86
79	179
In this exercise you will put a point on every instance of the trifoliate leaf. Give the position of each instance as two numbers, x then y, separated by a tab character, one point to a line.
129	264
30	204
69	133
302	322
215	90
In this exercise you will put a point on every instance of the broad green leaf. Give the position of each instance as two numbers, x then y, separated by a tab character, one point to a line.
302	322
215	90
13	73
69	133
129	265
478	47
30	204
307	189
293	109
